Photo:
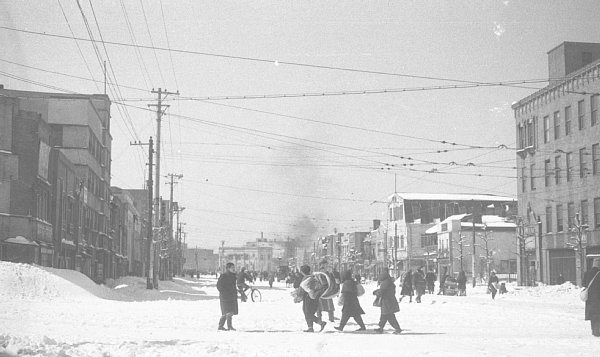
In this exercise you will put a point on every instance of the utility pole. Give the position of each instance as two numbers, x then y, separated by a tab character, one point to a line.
178	250
474	257
159	113
169	262
149	256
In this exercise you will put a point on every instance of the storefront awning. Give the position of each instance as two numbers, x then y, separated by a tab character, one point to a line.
21	240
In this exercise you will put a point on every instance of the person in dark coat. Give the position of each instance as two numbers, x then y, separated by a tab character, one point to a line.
592	304
389	304
493	284
419	284
271	280
430	281
407	289
242	276
462	283
351	304
443	284
310	306
227	297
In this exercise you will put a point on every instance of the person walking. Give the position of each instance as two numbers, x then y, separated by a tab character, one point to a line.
462	283
310	305
591	279
419	284
351	305
271	280
227	297
430	281
443	284
493	284
407	289
389	304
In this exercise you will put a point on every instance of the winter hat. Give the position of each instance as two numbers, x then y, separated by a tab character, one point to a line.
305	269
596	263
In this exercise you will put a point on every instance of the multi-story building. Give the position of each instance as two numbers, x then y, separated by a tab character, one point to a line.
411	214
129	244
79	127
558	162
200	261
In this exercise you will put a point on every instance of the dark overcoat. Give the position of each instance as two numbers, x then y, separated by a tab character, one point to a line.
387	290
407	288
592	305
351	304
228	293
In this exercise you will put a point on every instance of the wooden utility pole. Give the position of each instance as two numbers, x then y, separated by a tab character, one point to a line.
170	262
149	256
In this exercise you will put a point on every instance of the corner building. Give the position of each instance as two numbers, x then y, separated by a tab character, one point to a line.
558	162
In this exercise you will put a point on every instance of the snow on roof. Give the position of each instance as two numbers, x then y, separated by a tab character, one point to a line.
450	197
490	221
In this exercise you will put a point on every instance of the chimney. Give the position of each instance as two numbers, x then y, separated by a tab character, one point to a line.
376	223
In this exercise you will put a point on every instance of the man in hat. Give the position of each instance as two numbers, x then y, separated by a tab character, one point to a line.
592	304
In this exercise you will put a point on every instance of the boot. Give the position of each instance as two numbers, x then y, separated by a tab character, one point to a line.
230	324
222	323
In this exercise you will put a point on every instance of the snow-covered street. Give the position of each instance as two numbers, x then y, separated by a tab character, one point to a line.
47	312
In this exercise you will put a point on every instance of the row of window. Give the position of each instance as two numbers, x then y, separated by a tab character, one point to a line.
556	173
554	125
573	218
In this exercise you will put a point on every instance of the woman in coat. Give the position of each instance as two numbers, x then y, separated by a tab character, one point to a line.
592	304
349	296
407	288
493	284
227	296
462	283
389	304
419	283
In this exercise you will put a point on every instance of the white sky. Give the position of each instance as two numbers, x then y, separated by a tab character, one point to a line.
264	164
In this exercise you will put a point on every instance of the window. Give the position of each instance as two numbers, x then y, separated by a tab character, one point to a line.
582	164
595	159
546	129
557	170
570	214
597	212
594	109
559	218
532	176
556	125
581	114
569	163
548	219
568	120
523	179
530	132
584	212
521	135
547	173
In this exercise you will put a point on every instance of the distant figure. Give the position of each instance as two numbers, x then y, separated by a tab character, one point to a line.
271	280
419	284
560	280
443	284
493	284
592	304
462	283
502	289
227	297
430	281
407	289
241	283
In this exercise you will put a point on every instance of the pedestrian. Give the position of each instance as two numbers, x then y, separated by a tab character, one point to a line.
462	283
389	304
227	297
241	283
271	279
310	305
493	284
407	289
351	305
430	281
592	304
327	305
443	284
419	284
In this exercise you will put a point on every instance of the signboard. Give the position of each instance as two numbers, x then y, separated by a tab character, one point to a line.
43	160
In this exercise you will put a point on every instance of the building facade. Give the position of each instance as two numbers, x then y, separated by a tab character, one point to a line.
558	162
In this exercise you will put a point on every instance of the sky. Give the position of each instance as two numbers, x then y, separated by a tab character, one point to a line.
122	318
315	156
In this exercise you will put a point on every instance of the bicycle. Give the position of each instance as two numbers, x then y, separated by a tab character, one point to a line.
255	294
